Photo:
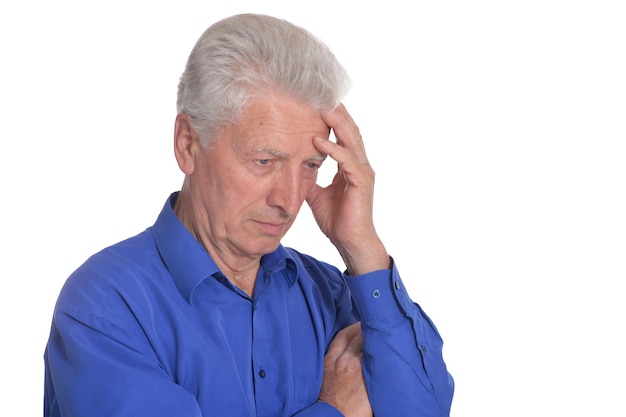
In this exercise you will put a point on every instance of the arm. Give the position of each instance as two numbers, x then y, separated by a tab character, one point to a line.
398	349
402	362
403	365
92	370
344	209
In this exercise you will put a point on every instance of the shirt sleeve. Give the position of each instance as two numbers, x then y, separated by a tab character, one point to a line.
403	363
92	370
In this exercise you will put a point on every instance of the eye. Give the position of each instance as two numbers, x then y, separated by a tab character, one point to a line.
263	161
313	165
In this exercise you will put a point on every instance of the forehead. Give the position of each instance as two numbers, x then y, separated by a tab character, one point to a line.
280	116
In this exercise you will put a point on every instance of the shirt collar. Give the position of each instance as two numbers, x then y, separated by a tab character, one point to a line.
281	259
188	261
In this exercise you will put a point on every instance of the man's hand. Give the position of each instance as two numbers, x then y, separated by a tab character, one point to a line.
343	385
343	210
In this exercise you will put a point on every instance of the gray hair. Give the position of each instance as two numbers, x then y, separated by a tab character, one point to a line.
246	55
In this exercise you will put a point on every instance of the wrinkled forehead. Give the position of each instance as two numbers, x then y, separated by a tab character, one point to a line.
276	113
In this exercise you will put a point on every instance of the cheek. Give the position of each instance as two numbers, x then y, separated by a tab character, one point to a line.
308	185
227	177
239	191
221	187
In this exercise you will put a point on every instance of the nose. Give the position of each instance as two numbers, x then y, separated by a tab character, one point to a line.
288	192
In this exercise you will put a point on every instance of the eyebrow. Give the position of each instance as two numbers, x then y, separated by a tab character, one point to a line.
279	154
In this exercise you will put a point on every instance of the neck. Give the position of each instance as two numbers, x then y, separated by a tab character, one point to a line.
241	269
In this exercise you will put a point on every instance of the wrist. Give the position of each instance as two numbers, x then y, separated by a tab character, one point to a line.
364	261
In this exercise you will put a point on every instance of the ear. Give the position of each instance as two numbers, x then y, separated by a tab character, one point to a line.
186	143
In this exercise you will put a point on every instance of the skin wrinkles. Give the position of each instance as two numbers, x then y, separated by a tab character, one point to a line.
242	194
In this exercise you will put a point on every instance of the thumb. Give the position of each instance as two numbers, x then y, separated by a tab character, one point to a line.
347	339
313	194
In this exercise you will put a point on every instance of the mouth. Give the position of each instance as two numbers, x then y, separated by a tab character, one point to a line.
273	229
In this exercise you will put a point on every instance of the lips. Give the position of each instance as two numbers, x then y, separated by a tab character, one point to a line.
271	228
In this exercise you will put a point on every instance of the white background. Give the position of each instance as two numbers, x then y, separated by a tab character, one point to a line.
497	130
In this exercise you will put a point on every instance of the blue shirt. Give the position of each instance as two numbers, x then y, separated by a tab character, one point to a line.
151	327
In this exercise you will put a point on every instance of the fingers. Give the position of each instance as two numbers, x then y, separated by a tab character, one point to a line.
346	130
355	346
347	133
343	385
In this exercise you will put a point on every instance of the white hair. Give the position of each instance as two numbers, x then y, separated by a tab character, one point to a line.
246	55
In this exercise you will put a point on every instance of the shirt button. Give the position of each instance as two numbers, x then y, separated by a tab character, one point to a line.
424	349
262	373
375	293
397	284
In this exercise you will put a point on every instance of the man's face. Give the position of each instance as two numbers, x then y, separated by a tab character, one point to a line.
257	173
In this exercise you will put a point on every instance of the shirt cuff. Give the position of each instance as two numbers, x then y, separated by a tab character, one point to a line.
380	296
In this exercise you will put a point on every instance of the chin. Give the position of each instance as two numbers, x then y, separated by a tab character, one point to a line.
265	246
